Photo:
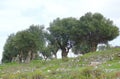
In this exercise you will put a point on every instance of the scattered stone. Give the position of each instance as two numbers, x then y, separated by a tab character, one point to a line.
62	69
48	70
109	64
119	62
94	64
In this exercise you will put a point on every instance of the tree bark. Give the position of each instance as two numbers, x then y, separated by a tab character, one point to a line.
34	55
55	53
64	53
20	57
28	59
93	47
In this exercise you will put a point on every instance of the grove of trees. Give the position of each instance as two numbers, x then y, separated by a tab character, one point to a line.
81	35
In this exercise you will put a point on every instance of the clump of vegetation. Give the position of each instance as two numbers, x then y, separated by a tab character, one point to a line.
91	73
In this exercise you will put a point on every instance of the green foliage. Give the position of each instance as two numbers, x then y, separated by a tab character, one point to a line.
29	40
38	34
9	49
97	29
81	48
62	32
52	44
85	34
46	52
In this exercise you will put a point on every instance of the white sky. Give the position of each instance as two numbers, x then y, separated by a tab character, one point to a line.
16	15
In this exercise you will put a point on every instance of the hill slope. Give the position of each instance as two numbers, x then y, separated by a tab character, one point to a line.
94	65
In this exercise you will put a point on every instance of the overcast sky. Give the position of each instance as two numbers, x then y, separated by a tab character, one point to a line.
16	15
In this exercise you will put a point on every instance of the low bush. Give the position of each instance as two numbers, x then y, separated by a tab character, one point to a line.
91	73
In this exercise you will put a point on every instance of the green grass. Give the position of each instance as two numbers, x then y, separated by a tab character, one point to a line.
72	68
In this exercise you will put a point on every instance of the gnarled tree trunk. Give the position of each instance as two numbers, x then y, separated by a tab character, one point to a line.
93	47
65	52
28	58
55	53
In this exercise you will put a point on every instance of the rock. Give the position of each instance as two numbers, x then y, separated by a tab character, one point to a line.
94	64
48	70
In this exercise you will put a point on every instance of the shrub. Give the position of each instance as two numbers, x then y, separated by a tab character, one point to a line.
90	73
87	72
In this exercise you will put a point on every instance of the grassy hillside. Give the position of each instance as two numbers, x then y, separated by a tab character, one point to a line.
94	65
